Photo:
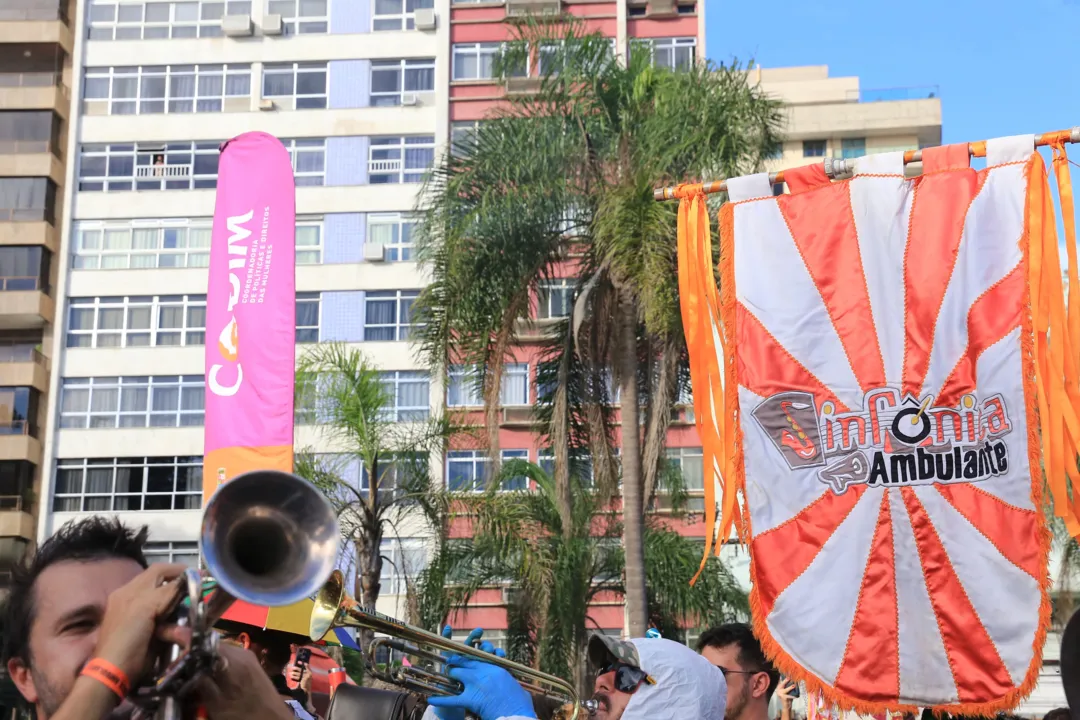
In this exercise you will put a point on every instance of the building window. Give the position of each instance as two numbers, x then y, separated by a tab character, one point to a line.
132	402
166	243
387	314
136	321
182	553
30	131
554	298
690	465
297	86
141	244
469	470
161	19
308	156
400	159
24	267
852	148
463	136
580	466
307	317
408	395
515	384
392	78
131	484
672	53
302	17
394	232
19	411
397	14
16	485
148	166
167	89
813	148
476	61
27	199
308	242
464	388
397	473
403	560
552	56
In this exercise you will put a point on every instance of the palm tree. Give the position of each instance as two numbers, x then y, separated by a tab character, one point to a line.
566	175
337	388
558	572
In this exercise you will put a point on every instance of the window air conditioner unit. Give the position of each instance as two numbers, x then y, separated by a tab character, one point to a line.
410	99
661	8
522	8
271	25
374	252
425	19
267	104
236	26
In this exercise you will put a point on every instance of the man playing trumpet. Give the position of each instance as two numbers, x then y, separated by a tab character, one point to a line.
85	620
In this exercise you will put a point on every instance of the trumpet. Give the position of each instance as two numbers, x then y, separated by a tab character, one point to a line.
334	608
268	538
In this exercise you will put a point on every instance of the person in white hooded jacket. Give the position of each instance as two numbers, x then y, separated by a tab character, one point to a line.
641	679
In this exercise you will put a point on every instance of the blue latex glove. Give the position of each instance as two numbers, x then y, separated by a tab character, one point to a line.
457	713
490	692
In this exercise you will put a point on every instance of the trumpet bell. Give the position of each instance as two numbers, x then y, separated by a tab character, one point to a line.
269	538
327	605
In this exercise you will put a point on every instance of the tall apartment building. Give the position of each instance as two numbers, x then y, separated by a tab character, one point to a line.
36	41
36	74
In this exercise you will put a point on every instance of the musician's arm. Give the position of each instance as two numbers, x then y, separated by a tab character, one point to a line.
88	699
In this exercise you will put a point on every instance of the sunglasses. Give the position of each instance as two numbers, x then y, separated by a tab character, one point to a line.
724	671
627	677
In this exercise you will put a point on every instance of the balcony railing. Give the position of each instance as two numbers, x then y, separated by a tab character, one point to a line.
22	284
22	354
30	79
163	171
924	92
25	215
47	12
384	166
11	502
27	147
18	427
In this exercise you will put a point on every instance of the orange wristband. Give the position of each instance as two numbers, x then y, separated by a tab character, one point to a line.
108	675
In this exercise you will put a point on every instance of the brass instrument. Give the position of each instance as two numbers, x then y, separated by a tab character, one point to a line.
334	608
268	538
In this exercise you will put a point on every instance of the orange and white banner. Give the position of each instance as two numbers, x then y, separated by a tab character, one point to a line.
875	388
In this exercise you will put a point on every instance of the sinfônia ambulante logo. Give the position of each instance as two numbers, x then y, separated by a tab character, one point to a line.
891	441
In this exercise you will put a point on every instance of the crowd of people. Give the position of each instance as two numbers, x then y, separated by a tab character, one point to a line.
86	617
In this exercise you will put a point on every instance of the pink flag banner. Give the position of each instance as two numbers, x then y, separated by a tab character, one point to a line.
251	313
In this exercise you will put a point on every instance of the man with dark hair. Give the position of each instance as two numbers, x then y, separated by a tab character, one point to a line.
751	678
88	595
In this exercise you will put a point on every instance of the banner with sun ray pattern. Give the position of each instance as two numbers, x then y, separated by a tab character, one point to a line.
879	378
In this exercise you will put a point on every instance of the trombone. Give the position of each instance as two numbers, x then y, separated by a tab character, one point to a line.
334	608
268	538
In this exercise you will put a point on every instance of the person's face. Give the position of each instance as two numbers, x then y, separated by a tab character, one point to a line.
612	702
745	688
69	602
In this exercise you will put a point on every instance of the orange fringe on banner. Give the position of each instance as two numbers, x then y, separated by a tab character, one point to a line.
1051	349
711	365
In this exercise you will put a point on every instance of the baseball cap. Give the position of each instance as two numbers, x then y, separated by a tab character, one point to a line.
602	650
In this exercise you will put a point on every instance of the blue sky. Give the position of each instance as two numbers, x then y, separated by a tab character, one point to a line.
1004	67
